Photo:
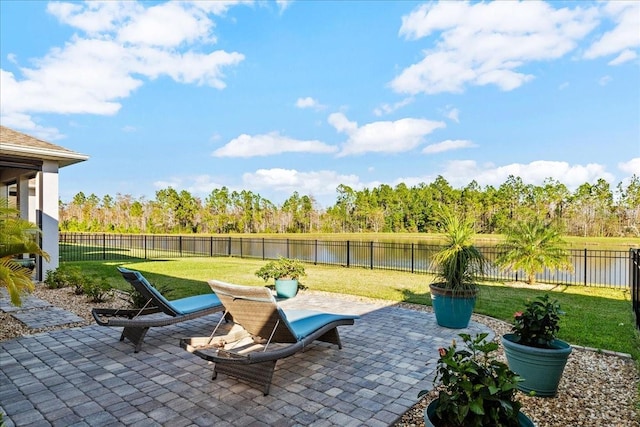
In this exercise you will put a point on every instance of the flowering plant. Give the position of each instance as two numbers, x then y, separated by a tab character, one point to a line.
477	390
537	325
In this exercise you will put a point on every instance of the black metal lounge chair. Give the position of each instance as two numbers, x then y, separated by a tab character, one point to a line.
158	311
262	333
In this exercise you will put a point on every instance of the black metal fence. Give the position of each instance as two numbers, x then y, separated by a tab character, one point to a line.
602	268
634	275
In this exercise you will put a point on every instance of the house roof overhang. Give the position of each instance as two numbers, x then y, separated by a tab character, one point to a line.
19	150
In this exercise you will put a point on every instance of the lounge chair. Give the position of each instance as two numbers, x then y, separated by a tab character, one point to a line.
158	311
262	334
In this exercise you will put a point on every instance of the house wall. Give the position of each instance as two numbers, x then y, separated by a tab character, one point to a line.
47	196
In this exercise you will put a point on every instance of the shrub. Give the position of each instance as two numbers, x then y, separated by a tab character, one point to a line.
97	289
62	277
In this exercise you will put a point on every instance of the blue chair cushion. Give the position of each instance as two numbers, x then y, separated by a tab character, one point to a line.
195	303
305	322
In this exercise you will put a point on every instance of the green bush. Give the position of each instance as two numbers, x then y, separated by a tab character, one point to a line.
97	289
63	277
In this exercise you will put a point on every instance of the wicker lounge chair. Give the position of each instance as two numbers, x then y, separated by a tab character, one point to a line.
262	333
158	311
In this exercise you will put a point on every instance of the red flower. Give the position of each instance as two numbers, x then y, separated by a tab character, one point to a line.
442	352
517	314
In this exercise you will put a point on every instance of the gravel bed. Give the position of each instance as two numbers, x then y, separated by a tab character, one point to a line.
597	388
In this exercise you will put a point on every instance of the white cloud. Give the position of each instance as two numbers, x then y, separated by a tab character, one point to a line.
26	124
487	43
167	25
309	102
388	109
460	173
632	167
198	185
623	37
626	56
604	80
453	114
317	183
283	4
270	144
382	137
129	129
340	122
116	54
448	145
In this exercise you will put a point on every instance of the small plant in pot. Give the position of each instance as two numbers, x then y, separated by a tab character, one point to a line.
286	272
533	350
474	388
459	266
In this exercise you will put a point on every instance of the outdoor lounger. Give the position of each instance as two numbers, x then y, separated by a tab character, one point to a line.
158	311
262	333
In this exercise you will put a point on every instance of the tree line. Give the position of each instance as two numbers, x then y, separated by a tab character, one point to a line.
591	210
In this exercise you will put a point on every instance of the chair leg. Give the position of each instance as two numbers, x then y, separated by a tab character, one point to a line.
135	335
257	373
332	337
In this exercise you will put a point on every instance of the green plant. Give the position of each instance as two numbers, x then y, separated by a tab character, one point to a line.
54	279
538	324
532	246
475	389
97	289
282	268
459	264
63	277
17	237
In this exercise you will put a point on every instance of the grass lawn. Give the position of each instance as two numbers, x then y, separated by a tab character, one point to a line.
595	317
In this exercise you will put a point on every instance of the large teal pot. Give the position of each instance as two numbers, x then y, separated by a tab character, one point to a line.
453	308
430	416
286	288
541	368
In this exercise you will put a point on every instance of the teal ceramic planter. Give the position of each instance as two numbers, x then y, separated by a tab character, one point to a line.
430	414
541	368
286	288
453	309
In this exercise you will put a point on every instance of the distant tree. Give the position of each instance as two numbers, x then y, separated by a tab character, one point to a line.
531	246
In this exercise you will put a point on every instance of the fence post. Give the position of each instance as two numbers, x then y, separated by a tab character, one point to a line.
348	252
263	254
144	243
371	254
241	247
229	247
585	266
104	246
315	257
412	258
288	248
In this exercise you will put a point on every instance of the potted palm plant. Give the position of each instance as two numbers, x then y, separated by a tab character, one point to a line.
474	389
533	350
286	272
459	265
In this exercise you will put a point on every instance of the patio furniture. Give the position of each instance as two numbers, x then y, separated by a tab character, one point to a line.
158	311
262	334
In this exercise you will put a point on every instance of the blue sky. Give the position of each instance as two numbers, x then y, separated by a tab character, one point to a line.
283	96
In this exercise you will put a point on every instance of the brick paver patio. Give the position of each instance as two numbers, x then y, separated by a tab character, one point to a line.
87	377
